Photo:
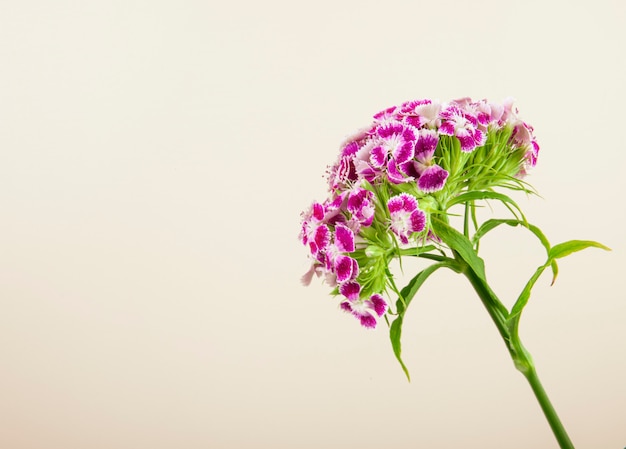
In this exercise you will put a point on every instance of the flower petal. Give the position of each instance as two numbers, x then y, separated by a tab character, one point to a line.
432	179
368	321
344	268
418	220
395	204
467	141
415	120
350	149
386	113
404	152
390	129
447	128
394	175
345	306
426	145
355	268
409	203
379	304
318	211
378	156
479	137
350	290
322	237
344	239
364	312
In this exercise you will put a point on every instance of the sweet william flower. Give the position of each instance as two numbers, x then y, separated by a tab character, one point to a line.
463	125
437	156
488	113
328	248
320	240
421	113
407	157
394	139
430	176
310	222
360	205
344	267
406	217
365	310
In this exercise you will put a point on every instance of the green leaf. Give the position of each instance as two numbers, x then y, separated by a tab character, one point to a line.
406	296
488	226
493	223
395	333
459	243
409	291
415	251
566	248
555	271
556	252
486	195
523	298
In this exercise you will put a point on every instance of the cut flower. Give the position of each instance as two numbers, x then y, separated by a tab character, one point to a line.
390	195
406	218
392	176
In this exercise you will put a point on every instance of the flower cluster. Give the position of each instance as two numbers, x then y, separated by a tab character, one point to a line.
393	175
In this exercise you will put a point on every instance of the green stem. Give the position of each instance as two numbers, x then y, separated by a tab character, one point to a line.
555	423
466	220
521	358
496	309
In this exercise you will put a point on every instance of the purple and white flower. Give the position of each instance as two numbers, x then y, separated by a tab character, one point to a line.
421	113
344	267
386	169
395	140
406	217
461	124
365	310
430	176
360	205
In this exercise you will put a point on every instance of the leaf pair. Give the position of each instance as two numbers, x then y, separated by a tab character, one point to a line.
556	252
467	261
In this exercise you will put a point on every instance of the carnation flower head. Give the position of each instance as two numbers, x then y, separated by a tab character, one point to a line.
406	217
392	192
392	176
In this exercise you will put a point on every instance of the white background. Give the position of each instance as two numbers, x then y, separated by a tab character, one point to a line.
154	160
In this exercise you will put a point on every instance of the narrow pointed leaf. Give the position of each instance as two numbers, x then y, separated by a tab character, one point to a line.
415	251
572	246
409	291
523	298
555	271
395	334
488	226
493	223
486	195
406	296
459	243
556	252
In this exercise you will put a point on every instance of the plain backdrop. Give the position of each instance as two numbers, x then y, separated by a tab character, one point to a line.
154	160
